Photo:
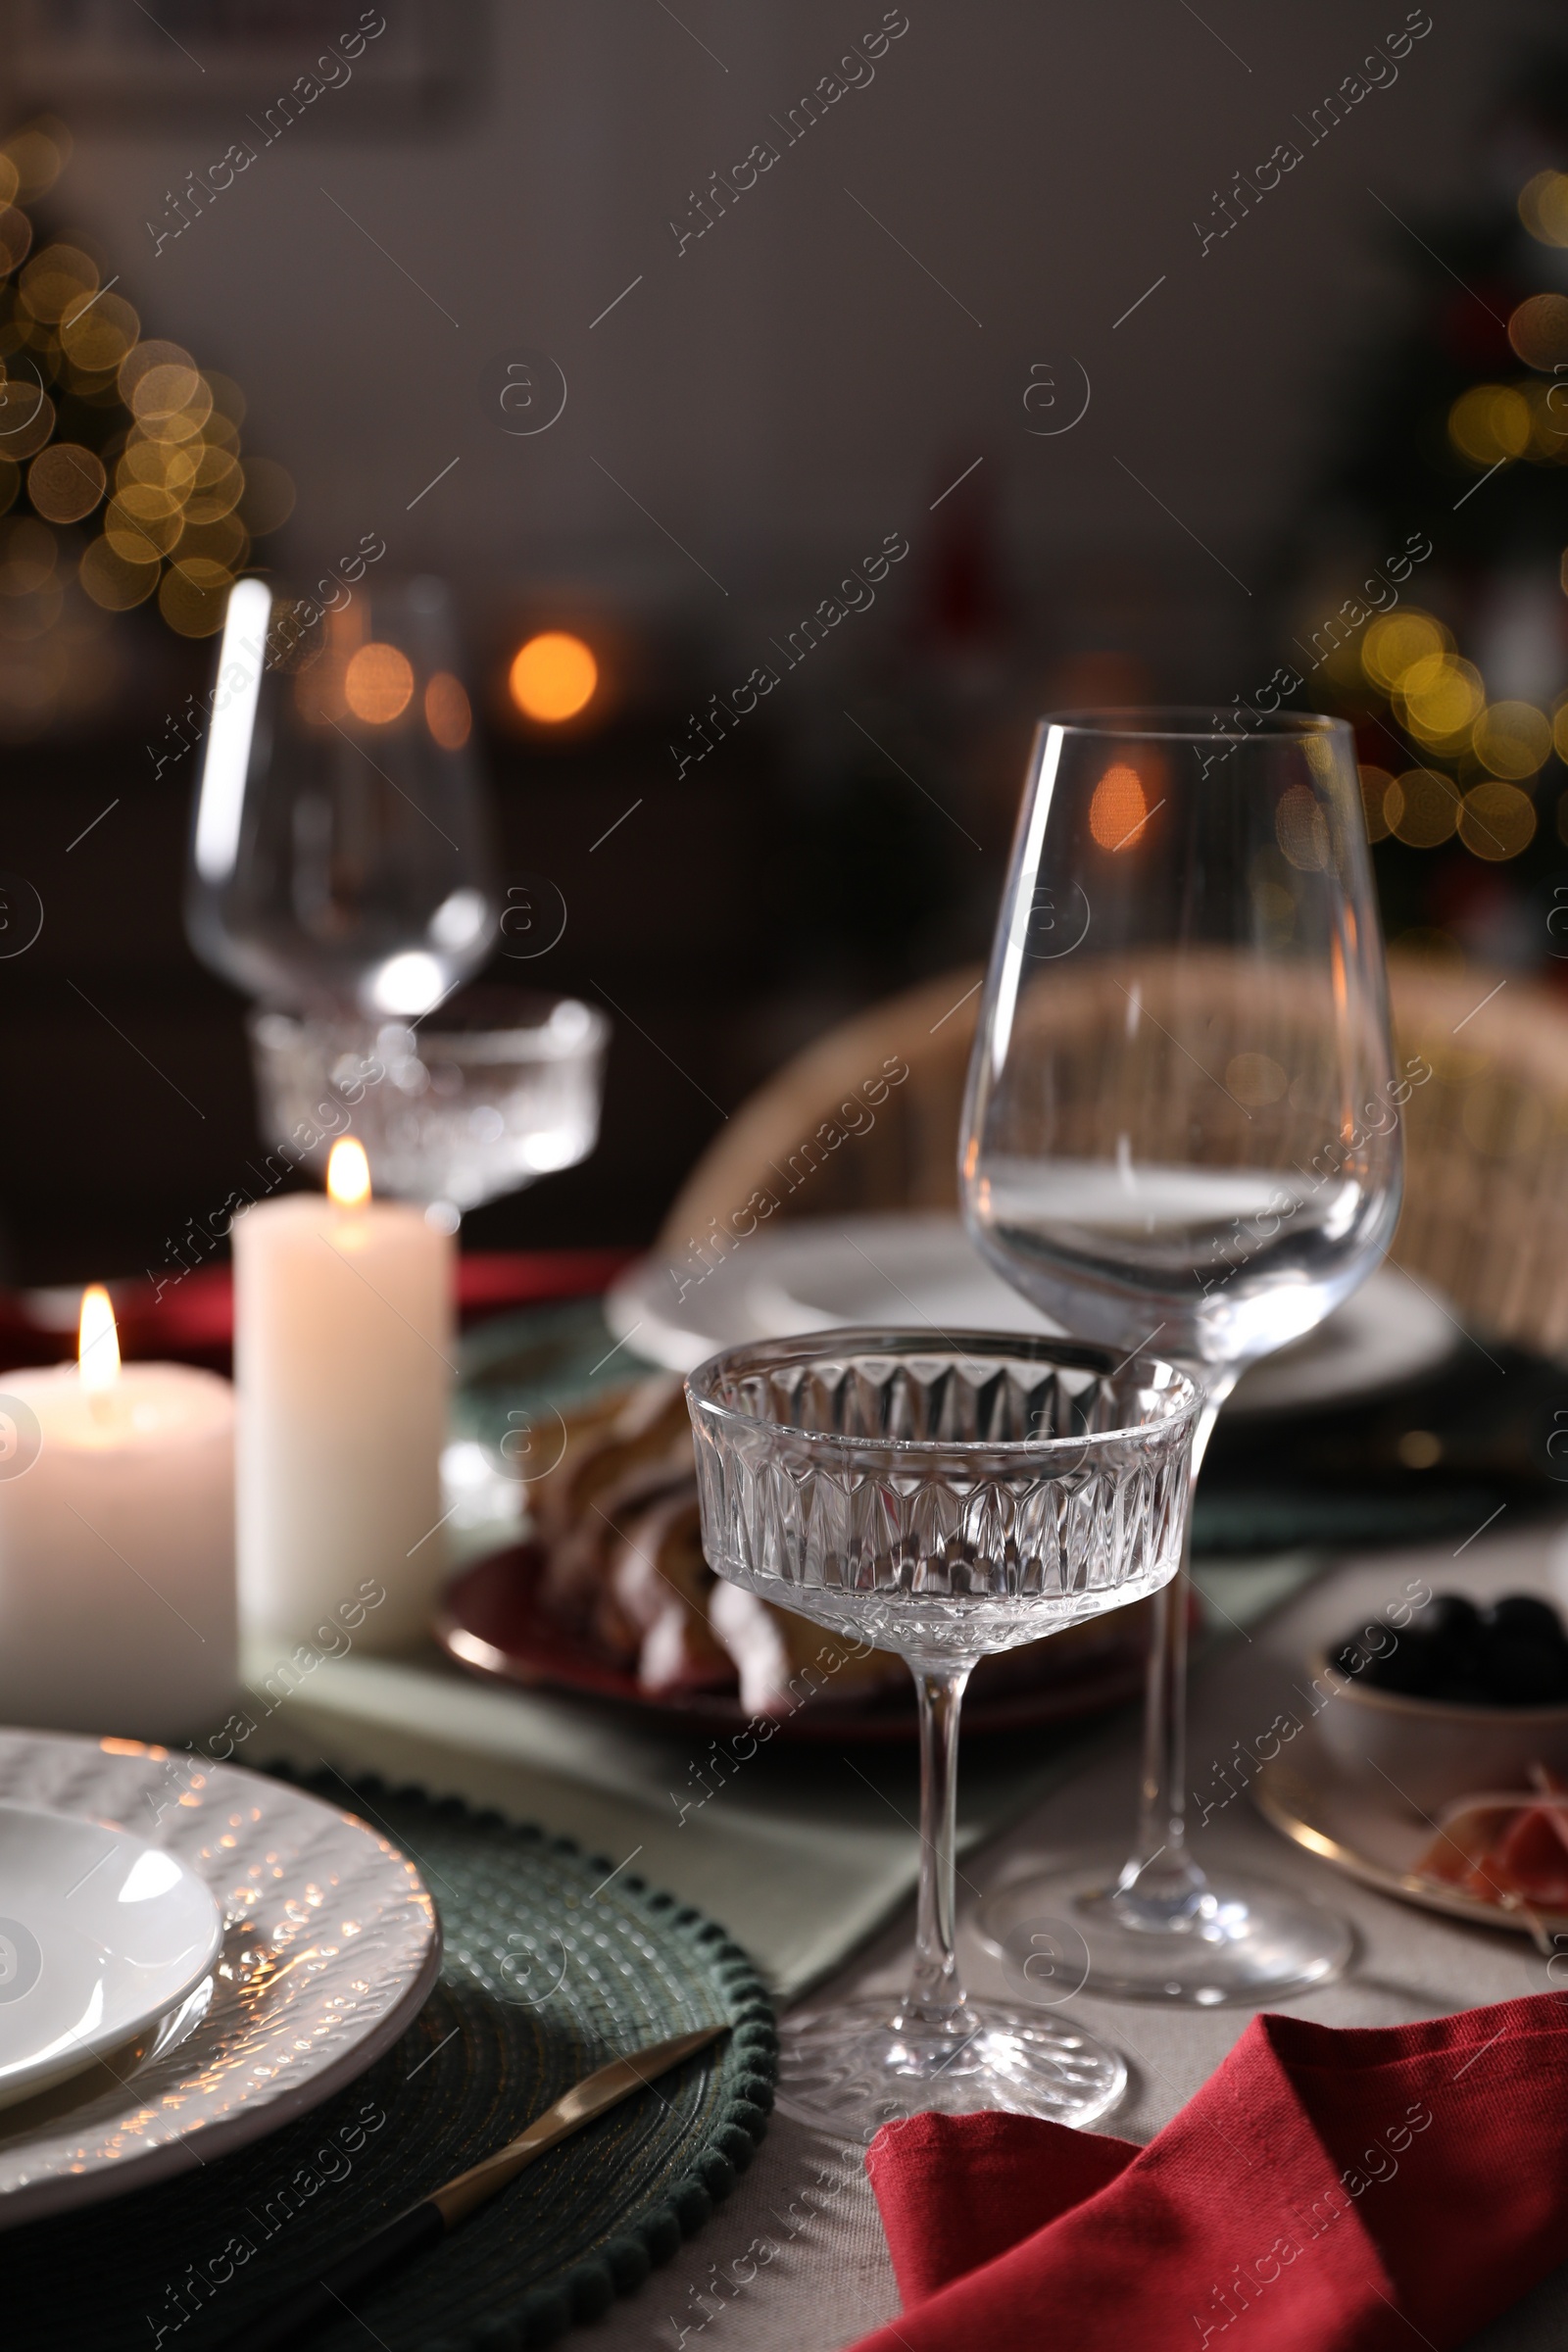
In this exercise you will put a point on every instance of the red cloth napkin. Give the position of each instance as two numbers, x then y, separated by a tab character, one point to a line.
1325	2191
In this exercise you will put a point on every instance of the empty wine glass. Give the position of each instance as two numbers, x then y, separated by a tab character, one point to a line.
1182	1133
340	851
940	1497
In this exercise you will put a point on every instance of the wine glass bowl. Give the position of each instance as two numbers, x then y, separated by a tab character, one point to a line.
340	855
1182	1134
941	1495
1195	1114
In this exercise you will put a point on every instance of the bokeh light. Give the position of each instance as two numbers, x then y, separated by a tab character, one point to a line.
1496	820
26	416
116	581
1118	811
1539	331
553	678
65	481
1512	739
57	280
39	154
378	684
16	238
1301	829
1422	808
447	714
193	596
1441	699
1543	207
1489	423
1395	641
96	340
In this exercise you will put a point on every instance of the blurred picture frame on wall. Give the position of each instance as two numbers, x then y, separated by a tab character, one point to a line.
198	57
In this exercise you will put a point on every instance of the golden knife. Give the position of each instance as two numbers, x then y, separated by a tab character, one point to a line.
425	2223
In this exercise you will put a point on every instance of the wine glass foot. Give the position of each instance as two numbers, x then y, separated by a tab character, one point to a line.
1244	1941
849	2071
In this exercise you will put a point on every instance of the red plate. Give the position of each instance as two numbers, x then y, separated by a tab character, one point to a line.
491	1622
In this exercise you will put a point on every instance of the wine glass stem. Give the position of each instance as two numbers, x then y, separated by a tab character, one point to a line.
1161	1871
936	1998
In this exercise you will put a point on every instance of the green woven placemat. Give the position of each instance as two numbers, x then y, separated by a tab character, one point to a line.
555	1962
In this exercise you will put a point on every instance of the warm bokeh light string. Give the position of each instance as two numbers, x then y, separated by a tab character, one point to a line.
121	479
1457	682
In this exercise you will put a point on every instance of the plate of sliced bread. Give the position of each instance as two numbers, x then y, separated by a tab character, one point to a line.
609	1596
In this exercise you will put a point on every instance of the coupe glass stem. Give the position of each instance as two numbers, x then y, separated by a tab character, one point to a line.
1160	1885
936	1998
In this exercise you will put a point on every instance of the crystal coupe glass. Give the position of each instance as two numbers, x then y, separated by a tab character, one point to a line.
1182	1134
495	1089
941	1495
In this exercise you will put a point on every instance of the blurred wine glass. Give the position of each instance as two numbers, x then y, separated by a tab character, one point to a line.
1183	1134
340	855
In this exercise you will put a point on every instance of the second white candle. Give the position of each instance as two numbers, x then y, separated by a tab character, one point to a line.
343	1362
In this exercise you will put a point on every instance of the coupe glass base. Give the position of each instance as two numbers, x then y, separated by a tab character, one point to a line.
1247	1940
851	2070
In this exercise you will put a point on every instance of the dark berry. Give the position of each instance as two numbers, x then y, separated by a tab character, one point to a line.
1411	1669
1524	1616
1454	1624
1456	1688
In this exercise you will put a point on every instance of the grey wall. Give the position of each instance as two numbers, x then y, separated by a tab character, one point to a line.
793	384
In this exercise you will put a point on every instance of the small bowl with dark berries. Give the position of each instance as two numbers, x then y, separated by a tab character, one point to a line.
1469	1696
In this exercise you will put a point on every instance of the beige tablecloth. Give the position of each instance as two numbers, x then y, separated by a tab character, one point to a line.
794	2262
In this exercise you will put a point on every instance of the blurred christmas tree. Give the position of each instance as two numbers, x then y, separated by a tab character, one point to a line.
120	478
1459	689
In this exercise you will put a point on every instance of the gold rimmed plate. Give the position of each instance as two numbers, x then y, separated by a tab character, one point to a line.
1369	1832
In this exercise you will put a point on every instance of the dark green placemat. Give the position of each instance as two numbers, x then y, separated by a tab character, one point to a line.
538	1358
555	1962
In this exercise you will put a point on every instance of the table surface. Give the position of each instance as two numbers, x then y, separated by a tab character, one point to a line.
802	1866
796	2262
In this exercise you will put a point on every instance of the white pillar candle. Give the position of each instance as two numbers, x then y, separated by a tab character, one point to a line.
343	1362
116	1543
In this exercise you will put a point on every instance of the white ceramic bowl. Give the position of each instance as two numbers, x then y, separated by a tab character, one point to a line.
1432	1751
100	1933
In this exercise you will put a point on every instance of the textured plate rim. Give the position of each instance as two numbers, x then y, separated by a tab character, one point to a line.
267	2107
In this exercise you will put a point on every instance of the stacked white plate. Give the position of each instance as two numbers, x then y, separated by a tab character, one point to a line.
190	1955
914	1271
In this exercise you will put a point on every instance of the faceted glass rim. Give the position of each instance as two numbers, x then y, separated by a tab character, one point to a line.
1194	722
841	1341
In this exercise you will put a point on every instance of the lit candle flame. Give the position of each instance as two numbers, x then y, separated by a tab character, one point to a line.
98	1341
348	1173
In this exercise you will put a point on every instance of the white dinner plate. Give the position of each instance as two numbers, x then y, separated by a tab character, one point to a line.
327	1944
923	1269
100	1932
